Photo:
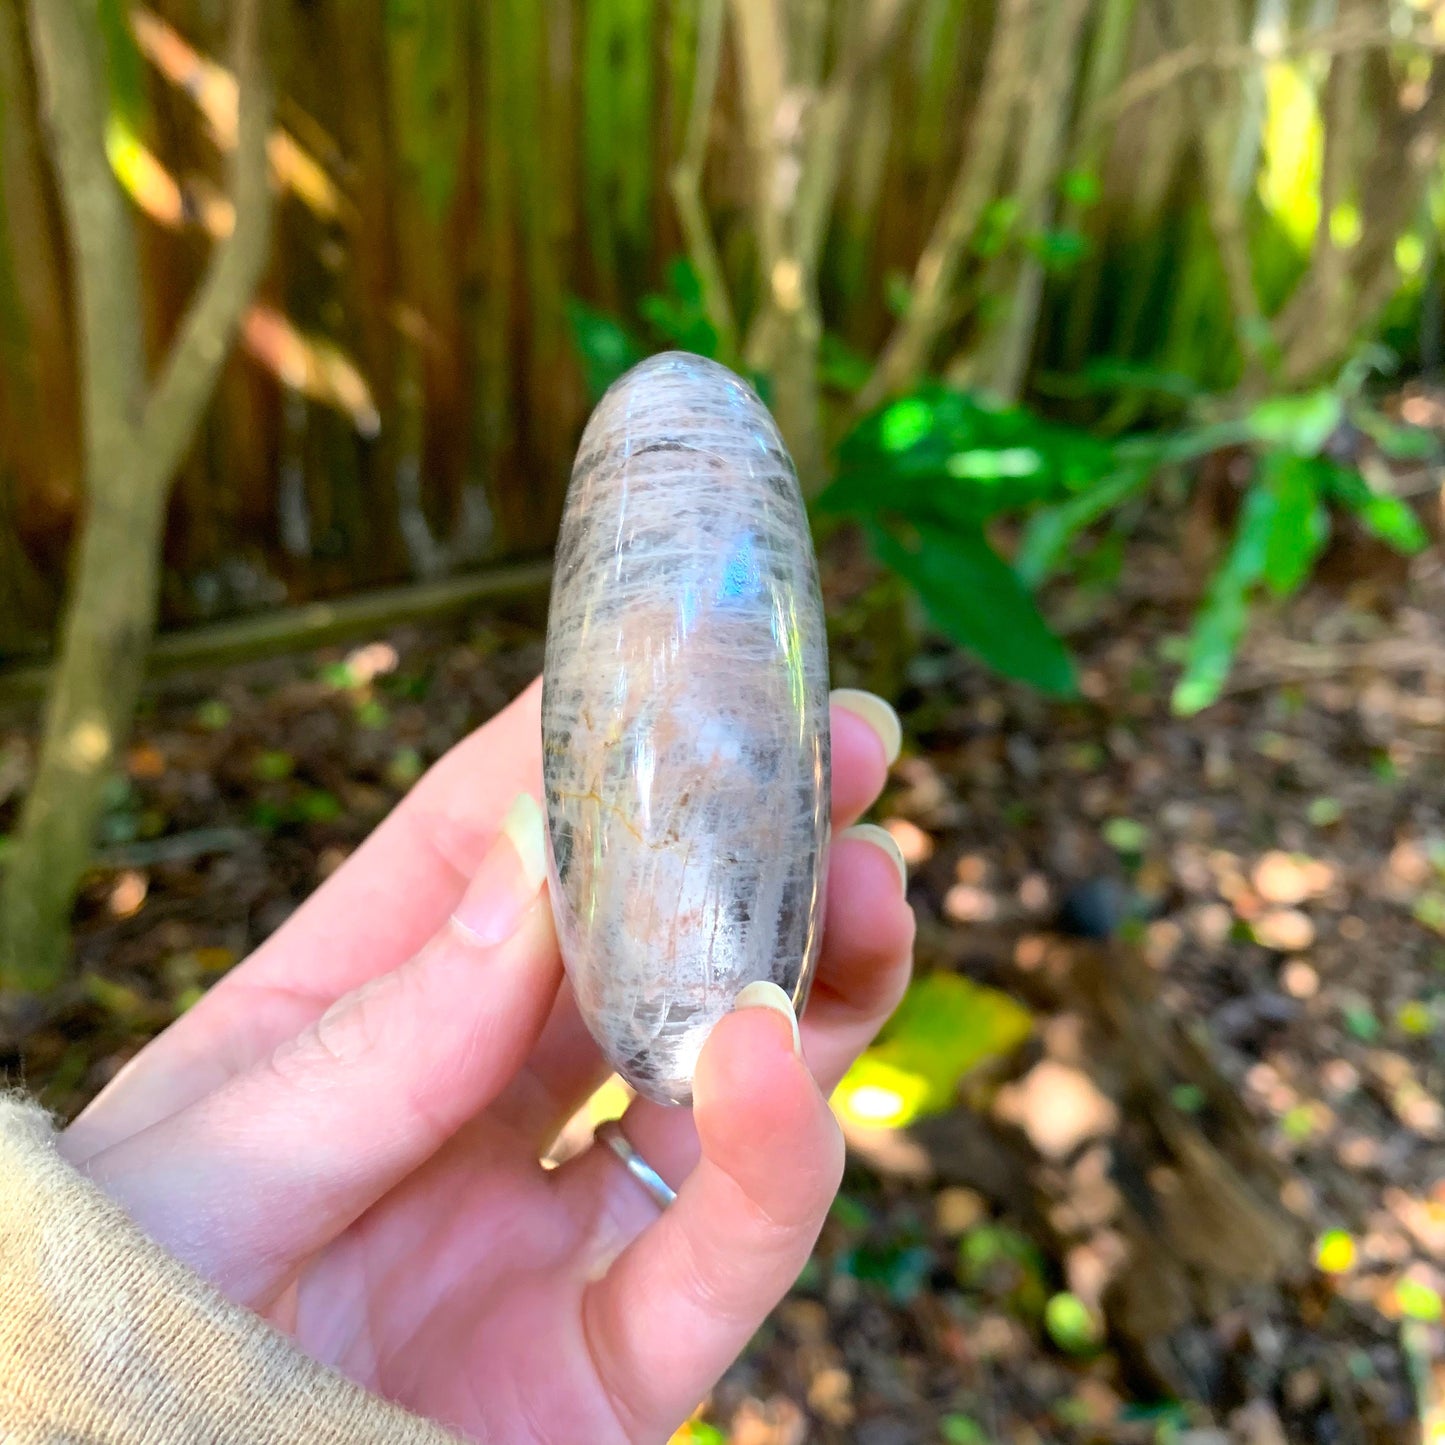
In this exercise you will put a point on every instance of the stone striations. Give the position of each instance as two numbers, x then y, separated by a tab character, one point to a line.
684	719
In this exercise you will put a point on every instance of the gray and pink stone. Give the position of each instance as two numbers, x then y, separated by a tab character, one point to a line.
685	733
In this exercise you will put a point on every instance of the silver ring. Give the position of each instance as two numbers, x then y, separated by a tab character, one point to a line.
658	1189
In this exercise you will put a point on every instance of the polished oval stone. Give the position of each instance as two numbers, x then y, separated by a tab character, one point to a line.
684	719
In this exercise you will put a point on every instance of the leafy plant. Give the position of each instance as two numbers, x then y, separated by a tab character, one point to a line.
932	474
673	318
927	475
1286	515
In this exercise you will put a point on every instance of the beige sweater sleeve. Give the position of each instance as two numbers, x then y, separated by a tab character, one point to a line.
107	1340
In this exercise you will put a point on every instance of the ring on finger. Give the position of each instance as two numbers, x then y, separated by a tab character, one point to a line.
656	1187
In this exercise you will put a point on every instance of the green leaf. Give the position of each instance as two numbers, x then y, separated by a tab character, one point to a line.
995	226
1220	623
318	806
897	293
1051	529
608	349
841	367
945	1026
213	715
273	766
1080	187
125	68
699	1432
1113	374
952	459
678	315
1300	525
1380	514
1419	1301
1126	835
962	1430
1300	424
905	424
1072	1325
1397	440
1392	521
1007	1266
976	598
1057	250
1180	447
995	464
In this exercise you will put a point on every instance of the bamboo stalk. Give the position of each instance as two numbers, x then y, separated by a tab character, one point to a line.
1108	57
1409	144
686	180
1343	103
911	346
496	261
1048	103
1212	106
540	174
862	197
829	122
797	134
617	122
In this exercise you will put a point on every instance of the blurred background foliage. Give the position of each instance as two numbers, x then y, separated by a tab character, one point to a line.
1007	271
1119	215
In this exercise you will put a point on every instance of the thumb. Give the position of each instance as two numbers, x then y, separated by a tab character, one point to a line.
682	1300
248	1181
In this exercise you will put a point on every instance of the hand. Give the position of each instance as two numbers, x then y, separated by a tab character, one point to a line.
344	1134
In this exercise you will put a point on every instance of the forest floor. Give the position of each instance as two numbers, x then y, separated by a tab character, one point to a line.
1278	861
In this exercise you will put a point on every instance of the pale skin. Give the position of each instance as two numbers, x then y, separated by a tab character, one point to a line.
344	1135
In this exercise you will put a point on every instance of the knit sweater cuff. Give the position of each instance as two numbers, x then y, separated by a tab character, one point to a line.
106	1339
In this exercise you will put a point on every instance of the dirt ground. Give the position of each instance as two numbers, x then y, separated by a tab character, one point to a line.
1278	862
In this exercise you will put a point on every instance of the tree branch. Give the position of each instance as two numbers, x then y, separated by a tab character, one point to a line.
686	179
1168	70
204	337
71	70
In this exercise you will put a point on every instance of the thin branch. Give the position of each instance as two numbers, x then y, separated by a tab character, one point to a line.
1169	70
71	71
234	271
1212	122
831	120
686	179
1044	151
908	351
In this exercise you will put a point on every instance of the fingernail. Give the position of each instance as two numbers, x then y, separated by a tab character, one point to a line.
503	887
877	714
880	838
766	994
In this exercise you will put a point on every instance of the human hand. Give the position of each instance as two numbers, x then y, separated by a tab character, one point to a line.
344	1134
